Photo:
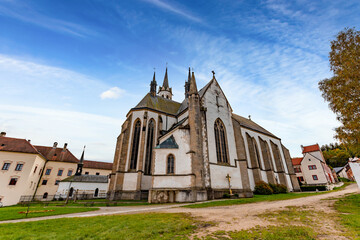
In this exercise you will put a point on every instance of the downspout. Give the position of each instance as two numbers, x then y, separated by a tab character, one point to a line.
41	175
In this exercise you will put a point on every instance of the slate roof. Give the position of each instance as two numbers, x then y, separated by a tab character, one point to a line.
168	143
247	123
311	148
338	169
97	165
158	103
296	161
87	178
57	155
16	145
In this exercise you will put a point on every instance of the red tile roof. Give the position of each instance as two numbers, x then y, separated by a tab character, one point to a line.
311	148
98	165
16	145
57	154
296	161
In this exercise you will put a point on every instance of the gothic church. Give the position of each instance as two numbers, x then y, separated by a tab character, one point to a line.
195	150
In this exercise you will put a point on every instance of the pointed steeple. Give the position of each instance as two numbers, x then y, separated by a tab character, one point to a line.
80	164
153	86
166	80
193	87
165	91
187	85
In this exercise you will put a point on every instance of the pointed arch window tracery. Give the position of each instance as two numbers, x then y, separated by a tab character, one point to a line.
135	145
221	142
149	147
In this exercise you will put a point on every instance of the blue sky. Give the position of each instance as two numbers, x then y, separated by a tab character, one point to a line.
71	70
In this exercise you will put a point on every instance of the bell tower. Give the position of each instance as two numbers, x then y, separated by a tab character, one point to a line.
165	91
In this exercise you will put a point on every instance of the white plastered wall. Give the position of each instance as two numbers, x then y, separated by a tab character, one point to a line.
218	173
310	159
27	177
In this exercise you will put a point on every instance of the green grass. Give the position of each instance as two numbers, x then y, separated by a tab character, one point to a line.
269	233
137	226
260	198
349	207
256	198
10	213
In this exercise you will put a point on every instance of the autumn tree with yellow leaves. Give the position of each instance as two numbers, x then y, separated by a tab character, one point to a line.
342	91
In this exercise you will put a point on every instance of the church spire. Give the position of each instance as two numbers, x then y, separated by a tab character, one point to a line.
153	86
165	91
80	164
193	87
166	80
187	85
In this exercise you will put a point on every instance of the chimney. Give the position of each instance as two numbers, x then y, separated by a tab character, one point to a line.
65	145
3	134
55	145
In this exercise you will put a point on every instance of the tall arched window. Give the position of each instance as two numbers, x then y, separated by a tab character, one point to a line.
45	195
220	142
135	145
96	193
256	152
170	164
149	147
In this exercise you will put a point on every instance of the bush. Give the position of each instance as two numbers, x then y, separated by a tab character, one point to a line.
263	188
341	179
226	195
278	188
313	188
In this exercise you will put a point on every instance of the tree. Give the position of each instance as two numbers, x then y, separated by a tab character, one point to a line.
342	91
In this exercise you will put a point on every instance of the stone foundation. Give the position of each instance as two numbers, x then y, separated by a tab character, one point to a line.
128	195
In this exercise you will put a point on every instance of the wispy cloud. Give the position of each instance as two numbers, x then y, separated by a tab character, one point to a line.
112	93
171	8
29	15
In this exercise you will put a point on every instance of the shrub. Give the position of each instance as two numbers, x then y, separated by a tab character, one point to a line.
226	195
263	188
341	179
313	188
278	188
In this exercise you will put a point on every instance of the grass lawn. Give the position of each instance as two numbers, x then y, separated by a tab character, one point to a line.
349	207
259	198
13	212
137	226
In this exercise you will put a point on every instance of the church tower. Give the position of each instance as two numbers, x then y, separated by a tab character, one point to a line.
196	141
187	85
165	91
153	86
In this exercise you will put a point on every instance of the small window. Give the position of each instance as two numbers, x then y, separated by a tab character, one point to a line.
297	170
86	173
19	167
57	182
170	164
45	195
44	182
97	173
13	181
60	172
48	171
40	171
315	177
312	167
35	169
301	179
70	172
6	166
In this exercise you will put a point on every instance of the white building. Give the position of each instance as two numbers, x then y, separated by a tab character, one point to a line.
169	151
312	169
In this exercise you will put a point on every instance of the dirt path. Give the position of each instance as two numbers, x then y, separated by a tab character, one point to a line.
234	217
245	216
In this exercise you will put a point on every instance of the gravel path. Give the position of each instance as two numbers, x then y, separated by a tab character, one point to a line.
234	217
